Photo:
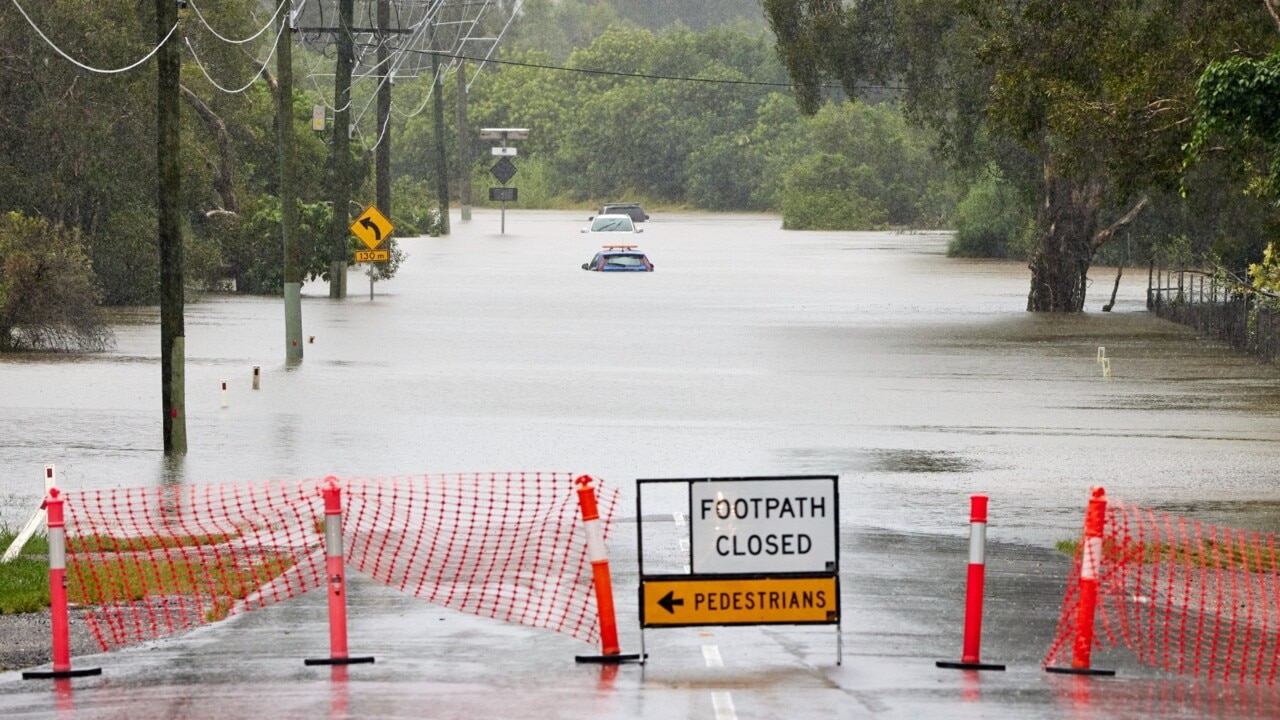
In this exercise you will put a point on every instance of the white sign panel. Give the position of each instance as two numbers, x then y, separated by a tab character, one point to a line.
503	151
783	525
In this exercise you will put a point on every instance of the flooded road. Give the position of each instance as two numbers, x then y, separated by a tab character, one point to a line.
917	379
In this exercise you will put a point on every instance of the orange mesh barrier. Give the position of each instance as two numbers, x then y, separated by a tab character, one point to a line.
1184	596
151	562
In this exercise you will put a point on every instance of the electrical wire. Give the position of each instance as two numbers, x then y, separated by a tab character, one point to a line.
82	66
645	76
262	68
251	38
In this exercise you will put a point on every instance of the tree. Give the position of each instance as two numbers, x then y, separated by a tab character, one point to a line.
1238	114
1097	94
48	295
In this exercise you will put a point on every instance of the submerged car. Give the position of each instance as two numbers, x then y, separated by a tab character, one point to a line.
630	209
619	258
612	224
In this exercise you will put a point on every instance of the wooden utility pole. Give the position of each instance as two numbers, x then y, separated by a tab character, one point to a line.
383	155
169	173
288	196
464	146
338	250
442	159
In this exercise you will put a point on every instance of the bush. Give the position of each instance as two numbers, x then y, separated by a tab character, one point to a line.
417	210
48	291
831	192
248	249
991	222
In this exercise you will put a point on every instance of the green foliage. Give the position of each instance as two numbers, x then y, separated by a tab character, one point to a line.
125	255
1238	99
48	292
1265	274
1237	113
247	250
992	221
725	173
831	192
863	168
416	208
1094	94
538	184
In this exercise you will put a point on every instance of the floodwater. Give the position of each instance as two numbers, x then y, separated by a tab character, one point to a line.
918	379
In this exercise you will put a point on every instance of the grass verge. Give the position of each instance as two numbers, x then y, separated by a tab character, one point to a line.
1206	553
24	581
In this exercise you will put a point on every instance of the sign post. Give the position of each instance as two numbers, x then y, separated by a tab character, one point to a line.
762	551
372	228
504	169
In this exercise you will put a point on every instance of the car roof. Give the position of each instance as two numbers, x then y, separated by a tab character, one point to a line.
615	250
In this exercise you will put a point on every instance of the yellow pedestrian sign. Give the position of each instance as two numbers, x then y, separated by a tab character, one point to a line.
372	227
675	601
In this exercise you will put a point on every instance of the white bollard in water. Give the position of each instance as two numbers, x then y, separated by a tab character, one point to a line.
225	400
1102	353
1106	367
257	371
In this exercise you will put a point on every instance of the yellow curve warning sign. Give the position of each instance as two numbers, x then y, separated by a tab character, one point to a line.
372	227
669	602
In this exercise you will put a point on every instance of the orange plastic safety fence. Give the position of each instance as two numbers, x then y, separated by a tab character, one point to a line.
151	562
1184	596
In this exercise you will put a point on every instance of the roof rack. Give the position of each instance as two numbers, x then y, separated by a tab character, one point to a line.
619	247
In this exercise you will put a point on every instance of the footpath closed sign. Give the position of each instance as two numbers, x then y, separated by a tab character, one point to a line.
761	551
763	525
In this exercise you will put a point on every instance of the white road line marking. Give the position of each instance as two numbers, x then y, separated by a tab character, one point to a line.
711	653
723	703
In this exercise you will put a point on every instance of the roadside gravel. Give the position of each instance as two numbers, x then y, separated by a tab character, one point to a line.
26	639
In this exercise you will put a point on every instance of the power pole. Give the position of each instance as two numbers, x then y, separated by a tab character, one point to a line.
288	196
338	250
464	147
169	173
442	162
383	159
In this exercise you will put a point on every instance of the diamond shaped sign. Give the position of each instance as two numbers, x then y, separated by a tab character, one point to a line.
504	170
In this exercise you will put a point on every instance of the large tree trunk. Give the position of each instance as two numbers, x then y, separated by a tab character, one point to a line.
1060	263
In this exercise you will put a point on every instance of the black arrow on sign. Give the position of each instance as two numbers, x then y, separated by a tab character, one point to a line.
669	602
369	224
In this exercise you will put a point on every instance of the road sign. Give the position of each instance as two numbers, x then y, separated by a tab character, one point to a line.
504	134
700	600
373	255
763	525
503	151
505	194
504	170
372	227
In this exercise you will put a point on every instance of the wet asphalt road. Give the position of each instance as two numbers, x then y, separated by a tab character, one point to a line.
750	351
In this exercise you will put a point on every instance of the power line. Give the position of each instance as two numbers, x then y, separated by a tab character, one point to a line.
645	76
262	67
250	39
82	66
